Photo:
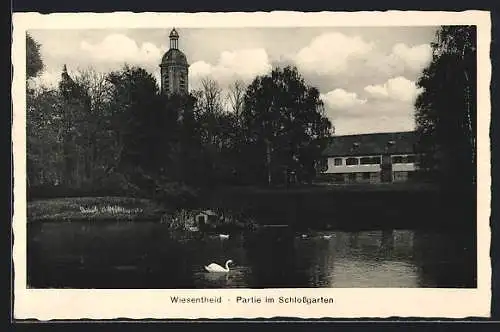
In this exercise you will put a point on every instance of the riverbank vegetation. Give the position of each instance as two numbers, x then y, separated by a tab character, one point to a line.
93	209
120	209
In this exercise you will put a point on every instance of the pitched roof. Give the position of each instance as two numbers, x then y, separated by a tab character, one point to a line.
369	144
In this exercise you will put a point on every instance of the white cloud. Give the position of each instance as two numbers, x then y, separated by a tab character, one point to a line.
415	58
341	100
398	88
377	91
242	64
120	48
376	115
401	59
373	124
330	53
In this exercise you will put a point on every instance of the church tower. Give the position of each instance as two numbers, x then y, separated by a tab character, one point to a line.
174	68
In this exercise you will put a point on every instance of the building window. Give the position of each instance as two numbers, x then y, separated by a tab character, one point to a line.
337	161
397	159
410	159
370	161
366	176
351	161
365	161
352	177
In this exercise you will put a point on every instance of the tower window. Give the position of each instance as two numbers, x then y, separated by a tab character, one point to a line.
182	83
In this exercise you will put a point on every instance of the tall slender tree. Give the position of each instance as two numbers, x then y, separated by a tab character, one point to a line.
446	110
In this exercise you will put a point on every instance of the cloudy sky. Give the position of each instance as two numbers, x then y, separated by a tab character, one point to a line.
366	75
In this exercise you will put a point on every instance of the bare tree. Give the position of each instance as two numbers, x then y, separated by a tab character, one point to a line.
210	105
97	90
211	96
235	96
96	86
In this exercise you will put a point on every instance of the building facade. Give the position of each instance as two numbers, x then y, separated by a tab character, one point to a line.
369	158
174	68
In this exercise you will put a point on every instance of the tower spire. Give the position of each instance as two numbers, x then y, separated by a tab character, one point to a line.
174	39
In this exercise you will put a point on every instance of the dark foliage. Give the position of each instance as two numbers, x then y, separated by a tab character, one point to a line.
446	110
34	63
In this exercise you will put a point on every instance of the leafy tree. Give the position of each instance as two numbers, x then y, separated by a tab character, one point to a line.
38	105
34	63
446	110
284	122
43	133
158	136
132	110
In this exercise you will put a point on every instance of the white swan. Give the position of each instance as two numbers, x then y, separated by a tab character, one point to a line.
214	267
224	236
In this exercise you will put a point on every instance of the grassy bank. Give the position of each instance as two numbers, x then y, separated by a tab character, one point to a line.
93	209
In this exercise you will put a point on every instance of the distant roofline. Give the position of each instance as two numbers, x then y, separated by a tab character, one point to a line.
396	142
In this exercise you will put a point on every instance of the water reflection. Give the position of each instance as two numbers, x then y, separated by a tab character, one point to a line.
148	255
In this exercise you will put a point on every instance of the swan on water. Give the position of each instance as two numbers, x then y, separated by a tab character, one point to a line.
224	236
214	267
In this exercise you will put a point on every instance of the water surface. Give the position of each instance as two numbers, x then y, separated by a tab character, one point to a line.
149	255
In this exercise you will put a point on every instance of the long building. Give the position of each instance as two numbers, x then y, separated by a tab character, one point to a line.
369	158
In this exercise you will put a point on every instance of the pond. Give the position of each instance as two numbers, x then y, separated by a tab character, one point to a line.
149	255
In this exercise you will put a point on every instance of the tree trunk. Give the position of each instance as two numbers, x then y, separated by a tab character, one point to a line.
268	155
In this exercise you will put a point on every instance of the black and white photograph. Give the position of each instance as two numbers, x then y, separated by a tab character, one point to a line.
256	158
